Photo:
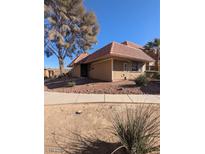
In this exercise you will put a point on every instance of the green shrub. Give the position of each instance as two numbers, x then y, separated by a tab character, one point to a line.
153	74
156	75
71	83
138	130
141	80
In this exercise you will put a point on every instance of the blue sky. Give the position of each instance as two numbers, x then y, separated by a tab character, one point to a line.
133	20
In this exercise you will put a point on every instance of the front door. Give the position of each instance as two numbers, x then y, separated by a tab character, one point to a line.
125	70
84	70
125	67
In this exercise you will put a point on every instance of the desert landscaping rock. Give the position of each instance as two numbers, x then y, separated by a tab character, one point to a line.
78	112
95	121
88	86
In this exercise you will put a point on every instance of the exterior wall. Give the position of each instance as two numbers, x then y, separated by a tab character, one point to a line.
151	63
101	70
152	66
75	72
46	74
110	70
119	73
53	72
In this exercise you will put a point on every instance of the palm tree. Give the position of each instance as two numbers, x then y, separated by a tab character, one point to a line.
152	48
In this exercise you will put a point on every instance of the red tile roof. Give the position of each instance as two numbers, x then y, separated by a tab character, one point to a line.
78	58
130	51
131	44
99	54
127	50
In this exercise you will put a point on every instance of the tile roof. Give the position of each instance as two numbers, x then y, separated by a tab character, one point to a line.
126	49
134	52
78	58
99	54
131	44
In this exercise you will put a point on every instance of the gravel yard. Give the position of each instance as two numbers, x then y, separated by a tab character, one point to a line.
81	128
87	86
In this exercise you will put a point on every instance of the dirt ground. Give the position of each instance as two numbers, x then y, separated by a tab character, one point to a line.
85	85
81	128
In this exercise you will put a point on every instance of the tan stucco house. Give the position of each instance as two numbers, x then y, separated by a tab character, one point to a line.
113	62
51	72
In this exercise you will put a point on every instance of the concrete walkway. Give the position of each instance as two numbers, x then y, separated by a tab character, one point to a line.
52	98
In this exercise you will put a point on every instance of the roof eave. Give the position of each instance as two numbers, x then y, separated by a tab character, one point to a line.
132	58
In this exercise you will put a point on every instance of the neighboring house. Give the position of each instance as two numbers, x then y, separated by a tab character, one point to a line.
51	72
48	73
153	66
113	62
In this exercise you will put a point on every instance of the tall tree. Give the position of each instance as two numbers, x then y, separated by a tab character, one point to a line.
152	48
68	29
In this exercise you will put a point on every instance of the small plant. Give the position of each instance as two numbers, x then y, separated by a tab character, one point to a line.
71	83
141	80
153	74
138	131
156	75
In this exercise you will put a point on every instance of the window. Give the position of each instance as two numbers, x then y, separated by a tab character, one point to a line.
132	67
136	67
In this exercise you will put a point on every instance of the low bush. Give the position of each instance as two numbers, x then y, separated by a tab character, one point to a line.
153	74
156	75
141	80
71	83
138	131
